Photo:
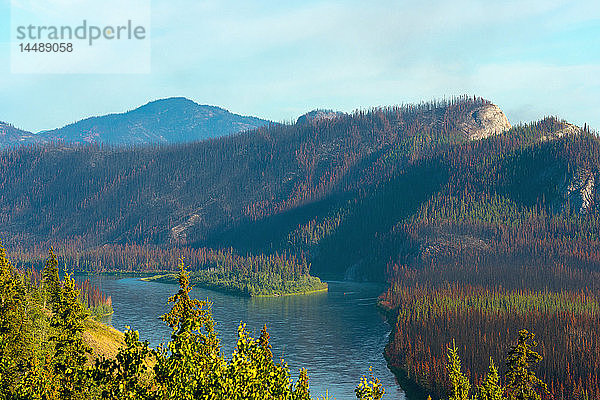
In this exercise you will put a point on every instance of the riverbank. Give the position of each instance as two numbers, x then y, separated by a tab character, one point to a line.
121	274
251	285
415	390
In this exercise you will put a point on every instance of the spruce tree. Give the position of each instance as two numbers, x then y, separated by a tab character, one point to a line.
190	365
490	388
302	388
40	382
370	389
460	385
11	297
252	373
70	351
521	381
51	278
125	377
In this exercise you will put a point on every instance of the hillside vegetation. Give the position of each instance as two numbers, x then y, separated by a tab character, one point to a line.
509	241
193	194
480	229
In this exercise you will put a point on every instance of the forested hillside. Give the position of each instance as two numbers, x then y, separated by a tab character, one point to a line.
346	192
193	194
509	242
12	136
481	229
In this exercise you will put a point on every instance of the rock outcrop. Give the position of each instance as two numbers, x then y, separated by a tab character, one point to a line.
566	130
318	115
580	194
484	121
178	233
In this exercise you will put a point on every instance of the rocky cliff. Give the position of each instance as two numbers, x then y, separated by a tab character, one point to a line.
486	120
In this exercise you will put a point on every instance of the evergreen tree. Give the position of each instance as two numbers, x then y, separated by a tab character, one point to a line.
191	364
460	385
369	389
40	382
11	314
302	388
252	374
70	351
521	382
23	328
490	388
50	277
126	377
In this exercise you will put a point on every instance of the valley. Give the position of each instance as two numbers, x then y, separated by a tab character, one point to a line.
476	229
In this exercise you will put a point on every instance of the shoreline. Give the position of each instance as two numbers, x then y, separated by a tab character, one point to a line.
125	274
321	290
413	389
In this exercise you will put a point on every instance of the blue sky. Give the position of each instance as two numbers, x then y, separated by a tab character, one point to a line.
279	59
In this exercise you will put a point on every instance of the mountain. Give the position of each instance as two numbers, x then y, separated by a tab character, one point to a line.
11	136
339	192
479	228
191	193
172	120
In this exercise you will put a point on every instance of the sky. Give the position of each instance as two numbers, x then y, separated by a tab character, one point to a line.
279	59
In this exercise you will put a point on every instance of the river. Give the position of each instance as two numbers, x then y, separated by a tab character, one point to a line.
335	335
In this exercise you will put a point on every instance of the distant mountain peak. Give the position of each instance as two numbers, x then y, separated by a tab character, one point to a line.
169	120
172	101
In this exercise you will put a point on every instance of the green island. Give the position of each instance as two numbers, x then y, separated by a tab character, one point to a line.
273	275
249	284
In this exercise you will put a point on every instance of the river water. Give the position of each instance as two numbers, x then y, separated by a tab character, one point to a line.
335	335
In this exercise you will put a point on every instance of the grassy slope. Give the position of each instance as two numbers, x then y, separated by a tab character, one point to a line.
103	339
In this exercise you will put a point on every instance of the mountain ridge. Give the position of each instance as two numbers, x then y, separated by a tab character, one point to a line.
246	177
12	135
169	120
179	119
